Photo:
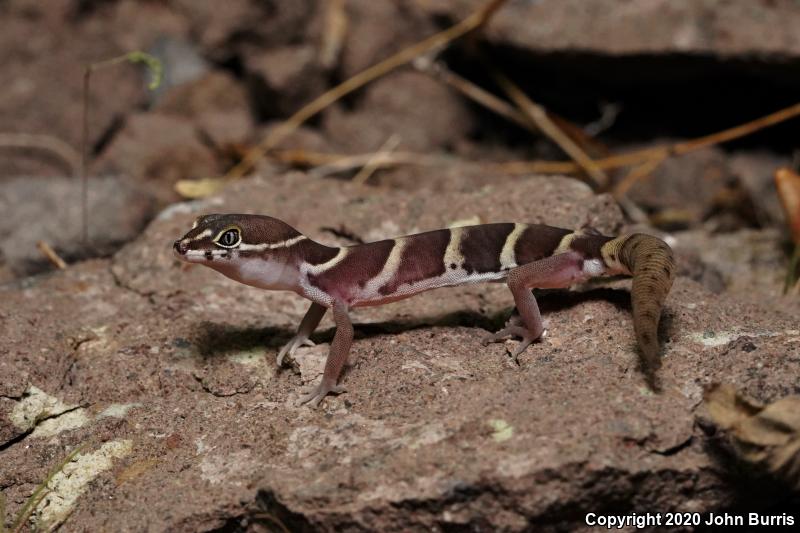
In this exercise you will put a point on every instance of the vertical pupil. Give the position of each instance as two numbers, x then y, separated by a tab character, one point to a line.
229	238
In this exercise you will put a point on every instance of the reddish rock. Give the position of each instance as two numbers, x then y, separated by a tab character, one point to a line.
217	104
423	114
281	80
158	350
221	32
377	30
719	27
44	50
159	150
49	209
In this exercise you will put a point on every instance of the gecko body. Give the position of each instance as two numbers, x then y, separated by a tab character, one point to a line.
269	254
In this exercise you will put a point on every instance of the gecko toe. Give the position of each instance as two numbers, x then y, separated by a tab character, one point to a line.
527	338
317	393
290	347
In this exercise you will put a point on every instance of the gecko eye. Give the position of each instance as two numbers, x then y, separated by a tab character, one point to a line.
229	238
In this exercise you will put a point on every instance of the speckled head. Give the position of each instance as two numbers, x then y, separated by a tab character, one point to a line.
218	237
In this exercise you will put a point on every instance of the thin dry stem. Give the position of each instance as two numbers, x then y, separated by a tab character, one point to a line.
54	145
329	163
538	115
156	69
51	255
636	174
475	93
376	160
472	22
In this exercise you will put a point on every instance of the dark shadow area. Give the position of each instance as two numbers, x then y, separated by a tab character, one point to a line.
214	340
659	95
754	490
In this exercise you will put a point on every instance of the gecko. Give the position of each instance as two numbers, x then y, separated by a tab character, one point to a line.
264	252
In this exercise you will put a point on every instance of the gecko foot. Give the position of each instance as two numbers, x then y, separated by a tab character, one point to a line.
517	331
290	347
317	393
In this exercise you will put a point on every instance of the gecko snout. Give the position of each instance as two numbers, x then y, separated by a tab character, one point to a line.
179	247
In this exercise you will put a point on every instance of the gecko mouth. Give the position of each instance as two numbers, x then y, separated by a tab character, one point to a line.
182	251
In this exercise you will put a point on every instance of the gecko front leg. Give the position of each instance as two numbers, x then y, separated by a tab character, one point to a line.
337	357
307	326
553	272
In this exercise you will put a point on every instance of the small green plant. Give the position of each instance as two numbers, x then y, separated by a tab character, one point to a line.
156	70
38	495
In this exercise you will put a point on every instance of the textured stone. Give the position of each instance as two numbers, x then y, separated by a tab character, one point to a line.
435	431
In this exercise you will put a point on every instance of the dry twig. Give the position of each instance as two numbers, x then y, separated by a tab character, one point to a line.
330	163
377	159
488	100
538	115
475	93
51	255
658	152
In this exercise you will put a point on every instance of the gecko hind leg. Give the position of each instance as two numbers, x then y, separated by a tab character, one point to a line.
553	272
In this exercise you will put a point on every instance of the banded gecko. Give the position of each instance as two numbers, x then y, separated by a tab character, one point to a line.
269	254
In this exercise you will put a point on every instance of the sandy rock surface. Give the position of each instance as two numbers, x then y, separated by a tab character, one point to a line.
166	374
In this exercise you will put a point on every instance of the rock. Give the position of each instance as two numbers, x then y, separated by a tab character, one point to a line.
45	50
714	27
158	150
167	364
756	172
281	80
377	30
181	64
49	209
221	32
707	185
420	112
34	58
748	262
211	92
217	104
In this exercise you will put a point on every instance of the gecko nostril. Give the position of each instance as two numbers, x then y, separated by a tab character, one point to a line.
178	248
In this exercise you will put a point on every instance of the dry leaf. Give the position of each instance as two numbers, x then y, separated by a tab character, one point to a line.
787	183
766	435
196	189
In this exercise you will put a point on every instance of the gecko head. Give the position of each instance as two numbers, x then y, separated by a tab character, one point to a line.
212	238
219	238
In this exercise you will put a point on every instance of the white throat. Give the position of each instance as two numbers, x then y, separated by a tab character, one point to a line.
258	272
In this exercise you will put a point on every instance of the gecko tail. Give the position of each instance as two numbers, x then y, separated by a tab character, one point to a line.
652	264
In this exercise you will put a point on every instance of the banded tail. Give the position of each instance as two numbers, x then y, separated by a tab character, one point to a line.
651	263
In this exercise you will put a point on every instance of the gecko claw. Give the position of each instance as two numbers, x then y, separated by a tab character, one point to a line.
517	331
290	347
317	393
